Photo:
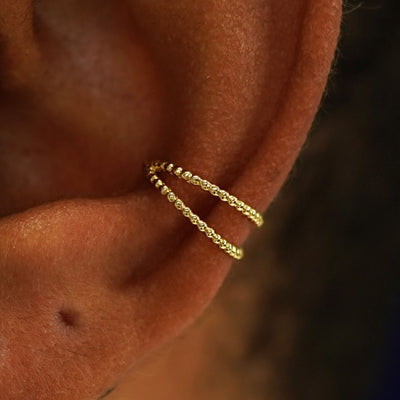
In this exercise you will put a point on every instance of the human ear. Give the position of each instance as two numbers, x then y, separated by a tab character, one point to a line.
90	286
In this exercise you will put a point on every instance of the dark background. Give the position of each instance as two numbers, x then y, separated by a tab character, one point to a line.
330	310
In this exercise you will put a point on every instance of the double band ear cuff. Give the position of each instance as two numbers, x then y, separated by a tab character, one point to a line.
154	168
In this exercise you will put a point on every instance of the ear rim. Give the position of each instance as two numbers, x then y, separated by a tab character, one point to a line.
311	67
309	77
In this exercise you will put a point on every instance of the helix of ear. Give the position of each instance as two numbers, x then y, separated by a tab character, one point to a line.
154	168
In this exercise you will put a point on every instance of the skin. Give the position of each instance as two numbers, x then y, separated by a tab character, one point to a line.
96	269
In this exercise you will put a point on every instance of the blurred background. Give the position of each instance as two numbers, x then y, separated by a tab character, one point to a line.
314	311
334	231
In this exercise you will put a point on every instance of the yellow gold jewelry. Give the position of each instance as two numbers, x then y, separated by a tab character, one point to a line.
155	167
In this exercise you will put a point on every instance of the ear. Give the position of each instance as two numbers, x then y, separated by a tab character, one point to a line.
89	287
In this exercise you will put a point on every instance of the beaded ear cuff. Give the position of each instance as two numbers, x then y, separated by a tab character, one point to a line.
153	168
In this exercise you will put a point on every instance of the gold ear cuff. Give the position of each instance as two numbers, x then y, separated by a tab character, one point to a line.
155	167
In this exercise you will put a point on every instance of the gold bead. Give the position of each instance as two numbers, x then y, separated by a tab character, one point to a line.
223	195
195	180
222	244
178	171
186	175
202	226
216	238
209	232
194	219
165	189
232	200
214	190
205	185
171	197
179	204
